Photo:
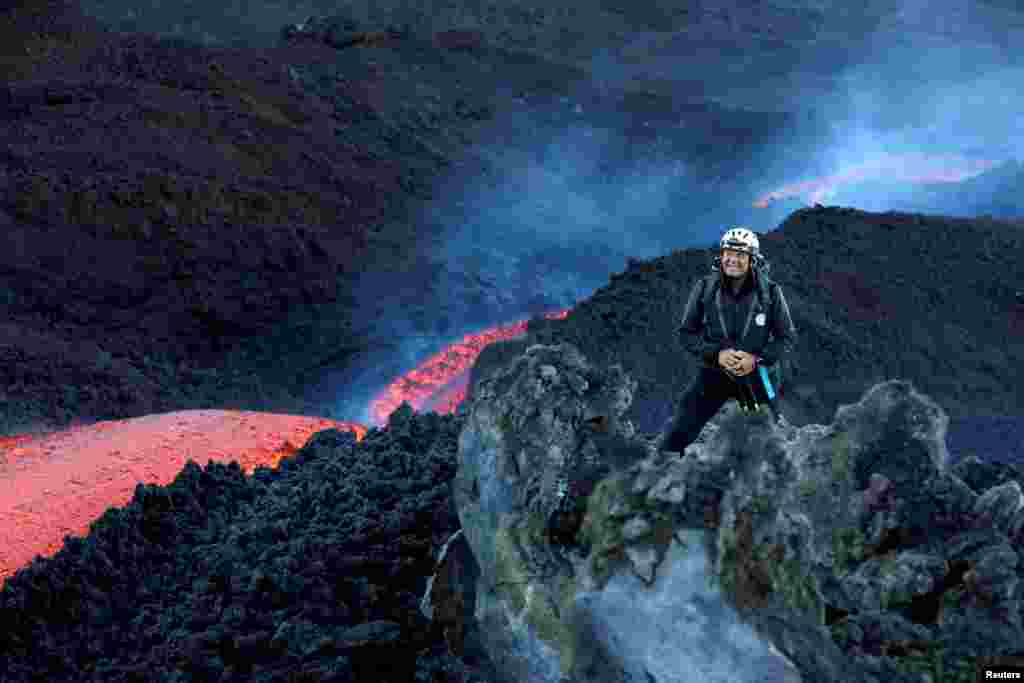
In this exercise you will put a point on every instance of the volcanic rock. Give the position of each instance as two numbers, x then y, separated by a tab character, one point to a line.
843	552
301	572
449	599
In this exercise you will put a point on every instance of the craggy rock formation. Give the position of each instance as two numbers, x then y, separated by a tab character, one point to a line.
847	551
449	598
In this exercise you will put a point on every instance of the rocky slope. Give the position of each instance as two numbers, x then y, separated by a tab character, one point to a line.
222	576
936	305
662	47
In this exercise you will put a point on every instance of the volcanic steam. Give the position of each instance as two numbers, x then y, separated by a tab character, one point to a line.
905	168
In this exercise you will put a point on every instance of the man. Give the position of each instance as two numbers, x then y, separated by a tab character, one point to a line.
736	320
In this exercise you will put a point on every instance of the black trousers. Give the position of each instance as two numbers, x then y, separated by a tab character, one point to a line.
705	396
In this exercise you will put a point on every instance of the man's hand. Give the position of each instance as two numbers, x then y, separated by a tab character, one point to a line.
735	362
745	366
727	358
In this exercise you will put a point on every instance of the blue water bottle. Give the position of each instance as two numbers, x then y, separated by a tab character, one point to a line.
767	383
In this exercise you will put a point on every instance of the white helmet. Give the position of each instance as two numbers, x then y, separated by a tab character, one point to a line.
741	239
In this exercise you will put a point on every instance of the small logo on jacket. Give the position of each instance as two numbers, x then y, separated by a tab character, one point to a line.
760	319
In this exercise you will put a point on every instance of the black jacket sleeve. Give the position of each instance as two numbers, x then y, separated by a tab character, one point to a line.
691	329
783	331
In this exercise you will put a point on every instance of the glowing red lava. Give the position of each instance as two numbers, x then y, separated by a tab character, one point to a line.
55	485
910	168
439	383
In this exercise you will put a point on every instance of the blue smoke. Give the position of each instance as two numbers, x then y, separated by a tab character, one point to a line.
572	195
950	89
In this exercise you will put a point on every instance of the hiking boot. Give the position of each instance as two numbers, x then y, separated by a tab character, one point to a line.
562	522
562	525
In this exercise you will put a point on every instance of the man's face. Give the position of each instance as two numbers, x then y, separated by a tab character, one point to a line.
735	263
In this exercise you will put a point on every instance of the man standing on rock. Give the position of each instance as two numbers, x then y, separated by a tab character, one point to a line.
736	321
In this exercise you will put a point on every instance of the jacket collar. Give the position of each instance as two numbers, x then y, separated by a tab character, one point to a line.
748	283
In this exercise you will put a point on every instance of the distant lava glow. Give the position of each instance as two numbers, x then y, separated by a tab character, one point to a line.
439	383
909	168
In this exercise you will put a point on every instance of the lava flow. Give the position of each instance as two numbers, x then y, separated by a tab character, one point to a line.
440	382
54	485
910	168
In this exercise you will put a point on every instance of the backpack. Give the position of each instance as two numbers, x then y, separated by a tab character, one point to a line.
766	289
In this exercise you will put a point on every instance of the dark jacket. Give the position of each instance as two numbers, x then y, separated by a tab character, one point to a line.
712	305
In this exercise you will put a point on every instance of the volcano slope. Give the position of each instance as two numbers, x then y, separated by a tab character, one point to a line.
159	205
930	299
183	224
174	215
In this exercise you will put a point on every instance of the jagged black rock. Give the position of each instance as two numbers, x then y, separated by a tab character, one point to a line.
312	569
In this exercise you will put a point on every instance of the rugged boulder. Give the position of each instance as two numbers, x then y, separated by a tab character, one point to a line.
847	551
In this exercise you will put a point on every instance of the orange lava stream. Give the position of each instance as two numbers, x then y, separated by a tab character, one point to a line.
54	485
419	386
911	168
448	398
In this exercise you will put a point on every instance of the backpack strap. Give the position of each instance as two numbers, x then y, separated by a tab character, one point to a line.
710	288
777	371
766	291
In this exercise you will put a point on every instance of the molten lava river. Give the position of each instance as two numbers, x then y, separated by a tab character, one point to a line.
55	484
